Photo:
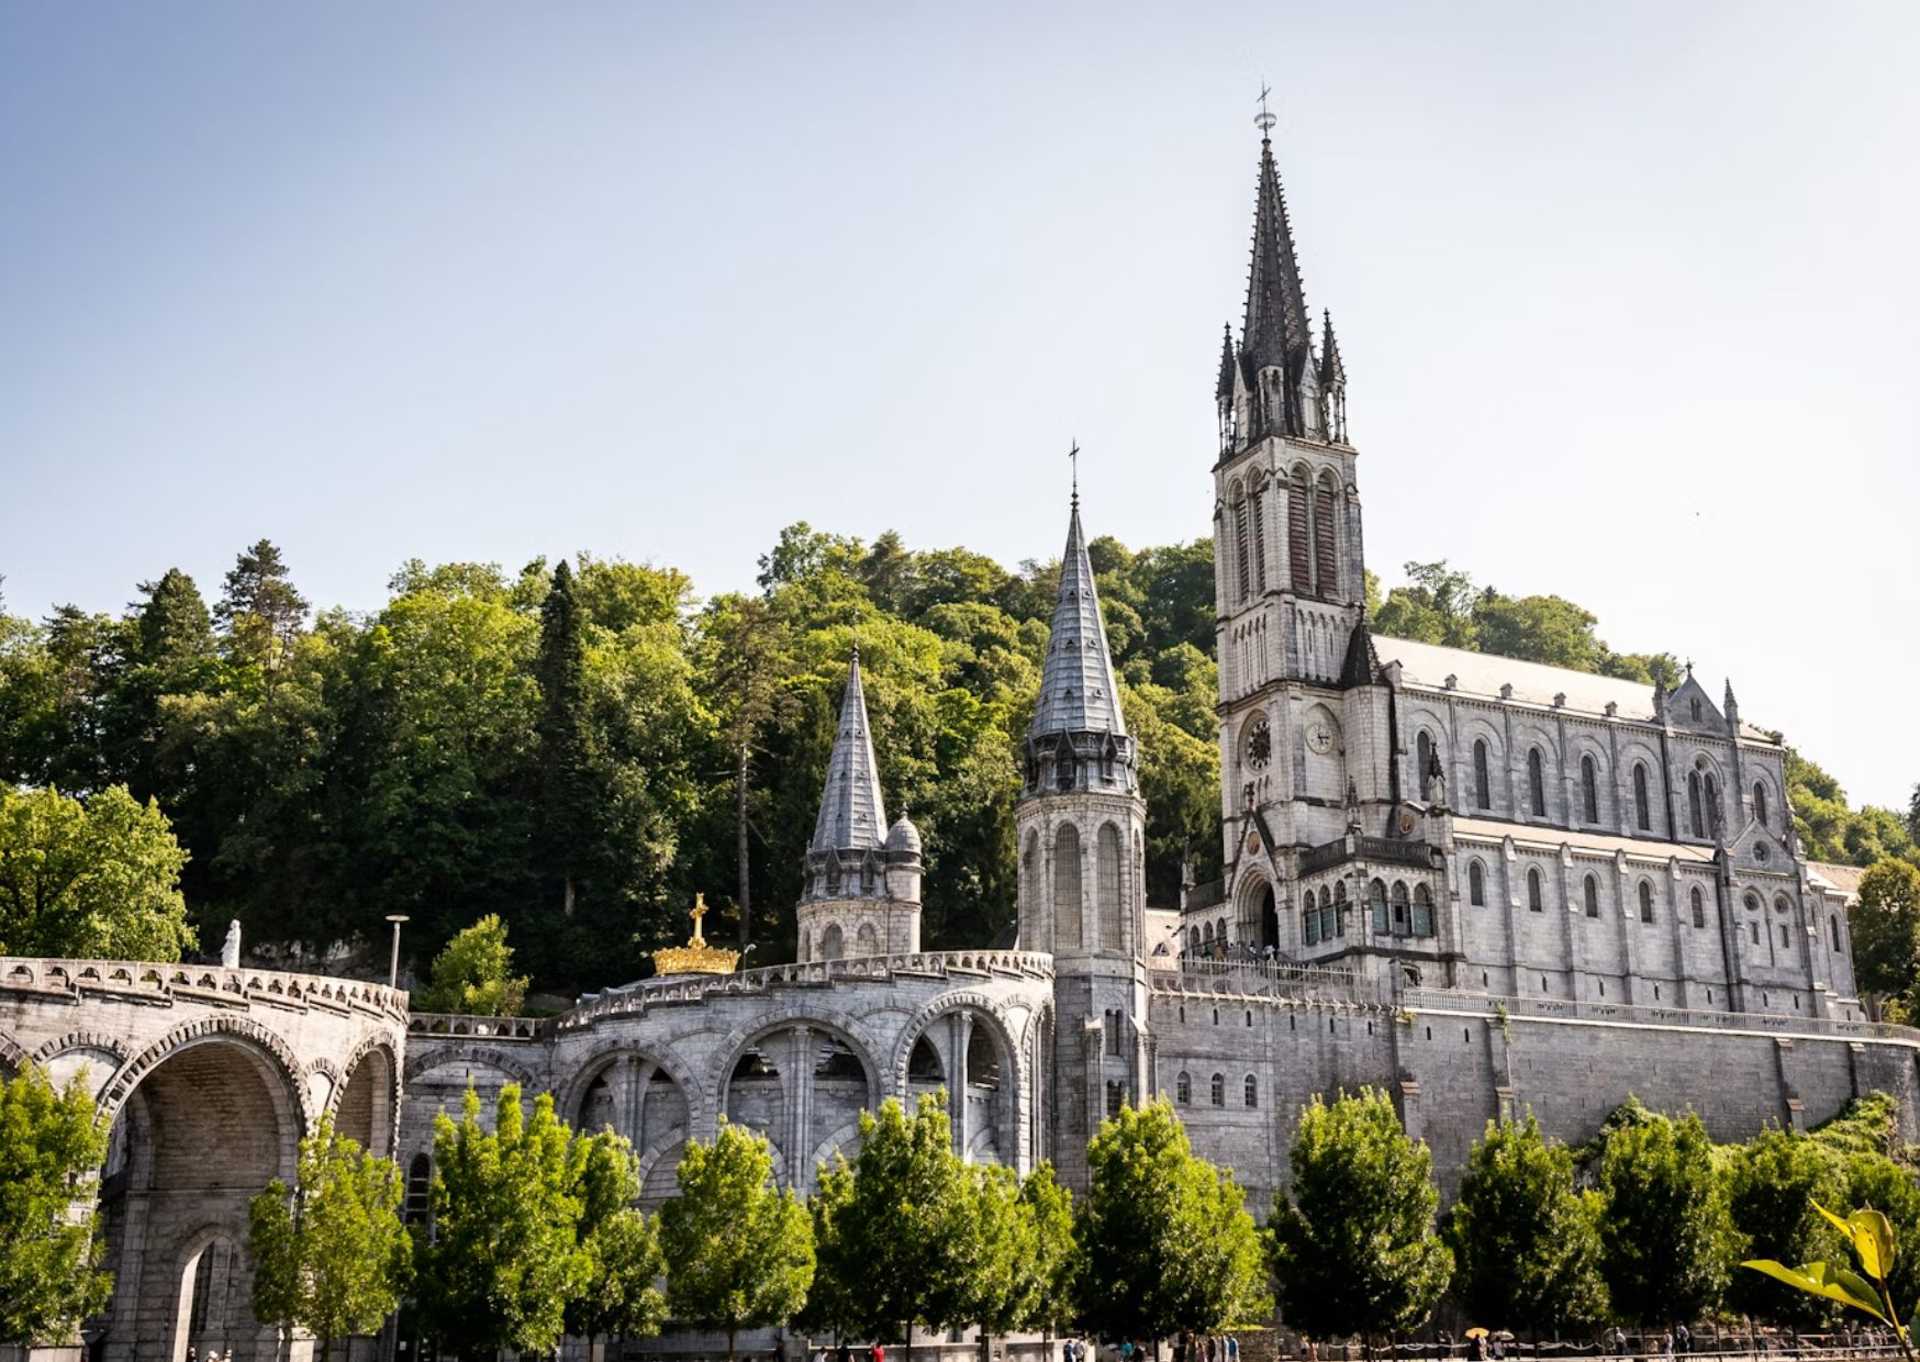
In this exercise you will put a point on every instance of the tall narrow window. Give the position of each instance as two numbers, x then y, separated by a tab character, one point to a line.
1713	806
1340	909
1257	511
1835	924
1694	819
1422	911
1642	807
1699	906
1112	907
1476	884
1590	790
1533	891
1399	908
1592	891
1299	542
1066	888
1377	902
1218	1090
1309	921
1326	552
1243	576
1646	901
1482	785
1183	1088
1537	782
1252	1091
1760	802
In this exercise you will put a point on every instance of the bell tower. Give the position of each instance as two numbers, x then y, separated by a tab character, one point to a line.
1082	833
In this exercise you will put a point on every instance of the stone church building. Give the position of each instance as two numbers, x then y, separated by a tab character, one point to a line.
1482	885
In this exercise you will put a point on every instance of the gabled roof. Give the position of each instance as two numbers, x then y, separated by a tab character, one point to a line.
1077	690
1845	879
852	818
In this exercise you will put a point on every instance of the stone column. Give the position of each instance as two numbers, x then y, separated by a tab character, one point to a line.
959	1033
799	1100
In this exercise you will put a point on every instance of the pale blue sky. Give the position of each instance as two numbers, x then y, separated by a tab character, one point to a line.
1627	295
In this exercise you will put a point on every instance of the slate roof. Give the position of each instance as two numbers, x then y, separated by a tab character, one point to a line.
1844	878
1606	843
1077	691
1428	665
1276	329
851	814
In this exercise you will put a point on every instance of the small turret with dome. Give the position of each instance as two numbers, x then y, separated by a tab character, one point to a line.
862	887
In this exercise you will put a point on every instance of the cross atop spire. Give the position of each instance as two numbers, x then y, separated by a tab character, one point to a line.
1264	120
1074	456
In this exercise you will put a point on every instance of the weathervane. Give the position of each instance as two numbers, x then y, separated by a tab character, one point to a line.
1264	120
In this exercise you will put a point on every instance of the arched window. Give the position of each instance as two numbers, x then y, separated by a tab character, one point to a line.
1309	920
1537	782
1377	904
1257	511
1696	821
833	943
1219	1090
1646	901
1696	707
1591	888
866	941
1066	888
1183	1088
833	876
1760	801
1713	806
1399	908
1243	575
1422	911
1476	884
1699	907
1834	923
1423	754
1299	545
1339	908
1326	551
1534	904
1029	869
1111	905
1589	790
1193	940
1642	807
1482	786
1252	1091
419	1189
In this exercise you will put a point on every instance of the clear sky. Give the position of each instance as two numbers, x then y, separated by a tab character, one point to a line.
1627	294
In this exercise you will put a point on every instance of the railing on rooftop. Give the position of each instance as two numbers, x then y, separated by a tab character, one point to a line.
1643	1014
150	982
1366	849
1267	979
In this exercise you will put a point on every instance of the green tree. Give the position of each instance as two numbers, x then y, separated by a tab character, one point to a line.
1353	1241
505	1257
571	803
331	1254
1053	1261
261	613
1886	931
739	1251
1666	1237
622	1246
50	1259
1165	1240
1436	606
471	975
1771	1184
99	879
1526	1245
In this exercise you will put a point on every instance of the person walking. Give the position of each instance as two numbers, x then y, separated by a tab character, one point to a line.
878	1353
1233	1349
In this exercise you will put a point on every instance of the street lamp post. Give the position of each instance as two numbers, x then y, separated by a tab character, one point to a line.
393	969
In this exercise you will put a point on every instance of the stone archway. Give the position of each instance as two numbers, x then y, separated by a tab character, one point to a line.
212	1116
798	1083
367	1107
644	1099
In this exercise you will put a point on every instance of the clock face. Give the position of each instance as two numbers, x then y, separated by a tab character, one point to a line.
1319	737
1259	743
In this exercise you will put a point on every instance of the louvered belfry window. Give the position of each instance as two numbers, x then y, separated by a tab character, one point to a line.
1299	547
1326	558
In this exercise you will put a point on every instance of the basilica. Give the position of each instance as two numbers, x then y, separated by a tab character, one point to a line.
1484	886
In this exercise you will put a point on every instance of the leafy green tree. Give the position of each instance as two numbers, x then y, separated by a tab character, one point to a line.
1772	1183
900	1247
1526	1245
331	1254
1666	1237
1886	931
50	1259
1165	1240
1876	1181
99	879
1053	1257
619	1297
1436	606
739	1251
1354	1246
570	800
505	1256
471	975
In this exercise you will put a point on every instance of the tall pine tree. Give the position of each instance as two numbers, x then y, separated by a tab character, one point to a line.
569	807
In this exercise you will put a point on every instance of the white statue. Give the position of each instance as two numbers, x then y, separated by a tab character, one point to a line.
230	950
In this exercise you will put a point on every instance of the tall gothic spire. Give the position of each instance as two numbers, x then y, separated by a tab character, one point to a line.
1332	370
1077	692
851	814
1276	334
1224	389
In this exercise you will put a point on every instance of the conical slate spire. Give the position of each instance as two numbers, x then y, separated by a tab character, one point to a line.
1276	334
1224	389
1332	371
1077	692
851	814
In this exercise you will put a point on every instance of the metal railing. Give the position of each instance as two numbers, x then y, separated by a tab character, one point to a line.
1267	979
149	982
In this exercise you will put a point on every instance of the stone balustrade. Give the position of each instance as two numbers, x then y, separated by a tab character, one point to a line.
163	985
1269	979
1641	1014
